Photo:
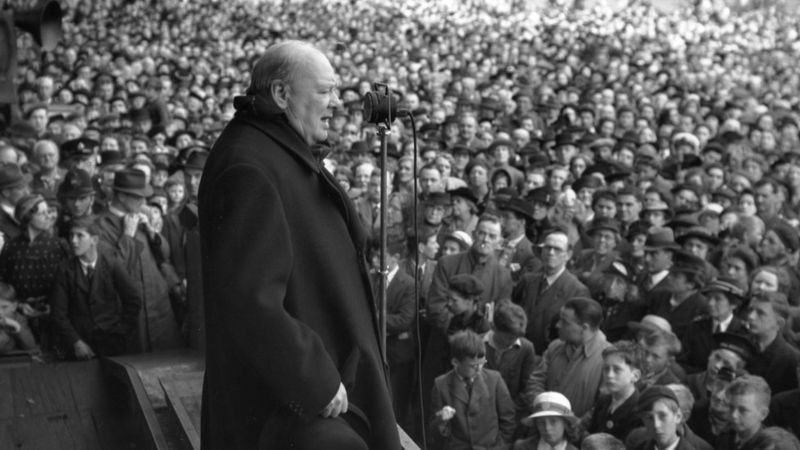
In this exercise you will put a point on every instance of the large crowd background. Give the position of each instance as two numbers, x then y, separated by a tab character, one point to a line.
594	189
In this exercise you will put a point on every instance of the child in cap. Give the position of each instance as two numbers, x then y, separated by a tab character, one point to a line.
15	334
615	410
472	407
661	413
553	423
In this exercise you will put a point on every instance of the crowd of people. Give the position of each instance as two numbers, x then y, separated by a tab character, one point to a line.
595	232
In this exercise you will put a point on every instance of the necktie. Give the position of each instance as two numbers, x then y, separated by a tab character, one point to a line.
717	328
89	273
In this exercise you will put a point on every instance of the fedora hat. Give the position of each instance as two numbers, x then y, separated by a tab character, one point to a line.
11	176
197	160
661	238
133	182
603	223
701	233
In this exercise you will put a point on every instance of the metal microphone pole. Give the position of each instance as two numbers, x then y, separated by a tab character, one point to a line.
383	130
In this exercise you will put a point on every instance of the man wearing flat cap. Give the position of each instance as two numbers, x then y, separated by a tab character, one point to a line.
725	295
125	228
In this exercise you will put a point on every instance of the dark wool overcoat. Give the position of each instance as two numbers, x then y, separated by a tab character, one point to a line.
288	304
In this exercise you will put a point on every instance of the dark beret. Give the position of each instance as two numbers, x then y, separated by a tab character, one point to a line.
653	394
466	285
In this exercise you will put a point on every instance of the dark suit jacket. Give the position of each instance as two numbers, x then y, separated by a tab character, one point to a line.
400	313
289	307
109	302
777	364
619	423
9	226
542	307
683	444
483	419
681	316
698	342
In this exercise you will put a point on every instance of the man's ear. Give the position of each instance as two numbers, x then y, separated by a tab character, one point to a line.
280	91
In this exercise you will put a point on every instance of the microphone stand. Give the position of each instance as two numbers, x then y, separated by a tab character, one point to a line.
383	131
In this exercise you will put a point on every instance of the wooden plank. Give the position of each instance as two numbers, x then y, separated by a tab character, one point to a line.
6	396
405	440
184	393
41	389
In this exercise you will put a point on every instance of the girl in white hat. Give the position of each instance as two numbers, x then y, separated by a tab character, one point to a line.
554	425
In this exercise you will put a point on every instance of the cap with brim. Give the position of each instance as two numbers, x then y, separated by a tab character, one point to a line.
728	286
518	206
465	193
698	233
587	181
651	323
543	195
621	269
736	343
501	143
603	224
11	176
652	395
133	182
437	199
462	237
660	239
684	221
551	404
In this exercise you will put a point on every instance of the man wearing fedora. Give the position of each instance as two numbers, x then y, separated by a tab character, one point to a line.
516	252
127	230
658	250
13	186
683	302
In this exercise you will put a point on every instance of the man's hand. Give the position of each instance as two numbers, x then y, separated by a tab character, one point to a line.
83	351
338	405
130	224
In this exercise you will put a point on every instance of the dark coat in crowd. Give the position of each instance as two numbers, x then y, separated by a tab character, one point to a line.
698	342
681	316
543	304
777	364
289	308
99	309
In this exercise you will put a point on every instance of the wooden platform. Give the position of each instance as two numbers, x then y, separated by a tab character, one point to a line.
62	406
150	401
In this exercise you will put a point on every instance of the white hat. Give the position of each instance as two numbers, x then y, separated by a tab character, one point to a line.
551	404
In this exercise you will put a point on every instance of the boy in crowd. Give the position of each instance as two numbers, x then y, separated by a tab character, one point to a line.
661	414
508	352
94	304
661	348
615	410
748	402
472	406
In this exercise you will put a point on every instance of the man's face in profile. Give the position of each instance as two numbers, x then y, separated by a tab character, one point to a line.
311	97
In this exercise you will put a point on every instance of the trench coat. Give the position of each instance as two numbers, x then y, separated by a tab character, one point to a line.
288	304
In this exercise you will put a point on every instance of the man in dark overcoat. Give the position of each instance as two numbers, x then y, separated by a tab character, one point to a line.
293	358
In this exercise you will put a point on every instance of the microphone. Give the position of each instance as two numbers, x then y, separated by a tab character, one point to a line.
380	105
